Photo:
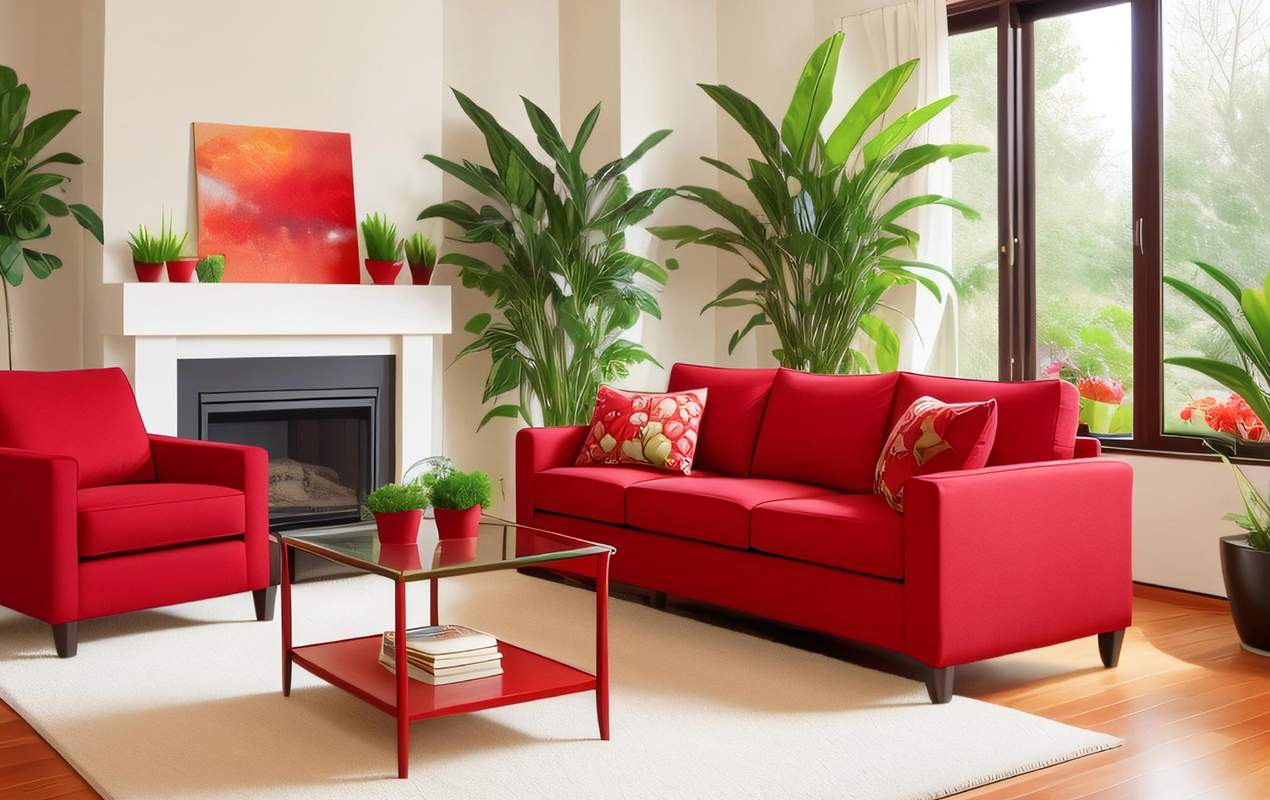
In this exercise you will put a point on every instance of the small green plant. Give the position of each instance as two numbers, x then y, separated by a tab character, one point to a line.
421	251
460	491
170	246
381	239
395	497
211	269
146	249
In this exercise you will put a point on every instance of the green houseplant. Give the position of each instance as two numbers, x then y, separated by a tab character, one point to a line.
566	290
180	267
828	241
1245	557
421	255
383	248
457	500
149	253
27	201
397	509
210	269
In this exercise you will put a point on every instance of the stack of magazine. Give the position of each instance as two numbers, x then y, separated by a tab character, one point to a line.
442	654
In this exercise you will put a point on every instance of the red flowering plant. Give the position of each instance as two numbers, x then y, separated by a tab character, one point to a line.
1233	417
1102	406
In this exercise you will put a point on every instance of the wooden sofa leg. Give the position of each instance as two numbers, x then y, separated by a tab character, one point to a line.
939	684
264	600
66	639
1109	647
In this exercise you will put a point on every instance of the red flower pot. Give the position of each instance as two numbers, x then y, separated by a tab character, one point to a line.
148	273
455	551
420	275
383	271
398	527
400	556
181	270
454	524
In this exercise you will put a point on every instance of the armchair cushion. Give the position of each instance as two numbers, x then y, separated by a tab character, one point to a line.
144	516
89	415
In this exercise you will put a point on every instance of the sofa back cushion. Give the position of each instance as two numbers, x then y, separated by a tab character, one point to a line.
89	415
825	430
730	422
1036	420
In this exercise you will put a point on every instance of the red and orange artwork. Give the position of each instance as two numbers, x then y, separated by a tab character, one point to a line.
277	203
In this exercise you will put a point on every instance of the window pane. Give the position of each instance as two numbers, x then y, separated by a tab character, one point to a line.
1084	242
1216	184
973	62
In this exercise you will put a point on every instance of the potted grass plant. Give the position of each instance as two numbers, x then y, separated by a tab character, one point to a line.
457	500
398	509
421	255
147	255
180	267
383	248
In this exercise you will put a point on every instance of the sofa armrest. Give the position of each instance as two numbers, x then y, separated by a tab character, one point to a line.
219	464
1087	447
1010	558
39	570
538	449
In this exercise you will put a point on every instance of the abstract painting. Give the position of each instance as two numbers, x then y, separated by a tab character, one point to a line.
278	203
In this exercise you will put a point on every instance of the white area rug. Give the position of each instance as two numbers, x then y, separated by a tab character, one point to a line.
186	702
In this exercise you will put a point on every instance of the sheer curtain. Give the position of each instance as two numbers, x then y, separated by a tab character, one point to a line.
876	41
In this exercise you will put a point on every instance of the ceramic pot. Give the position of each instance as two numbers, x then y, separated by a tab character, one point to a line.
383	272
148	273
1246	571
181	270
454	524
398	527
420	275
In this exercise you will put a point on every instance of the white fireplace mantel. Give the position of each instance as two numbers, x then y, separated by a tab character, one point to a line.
149	327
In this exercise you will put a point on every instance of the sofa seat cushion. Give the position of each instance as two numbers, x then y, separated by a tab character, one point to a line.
141	516
859	532
734	409
594	492
712	509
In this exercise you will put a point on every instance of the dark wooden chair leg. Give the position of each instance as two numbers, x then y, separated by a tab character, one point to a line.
66	639
939	684
264	599
1109	647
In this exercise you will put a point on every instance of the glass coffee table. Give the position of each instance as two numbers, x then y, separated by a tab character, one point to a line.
353	664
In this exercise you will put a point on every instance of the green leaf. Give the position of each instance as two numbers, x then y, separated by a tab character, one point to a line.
872	103
41	264
750	117
755	321
1225	281
585	129
906	125
58	158
508	411
13	106
923	155
40	131
887	352
1249	347
88	220
477	323
53	206
723	167
12	261
908	204
8	79
812	98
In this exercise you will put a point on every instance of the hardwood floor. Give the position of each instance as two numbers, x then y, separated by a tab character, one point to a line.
1193	708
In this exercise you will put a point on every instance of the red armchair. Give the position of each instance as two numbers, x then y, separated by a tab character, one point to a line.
99	518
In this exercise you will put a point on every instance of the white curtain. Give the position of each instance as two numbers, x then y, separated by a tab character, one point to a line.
876	41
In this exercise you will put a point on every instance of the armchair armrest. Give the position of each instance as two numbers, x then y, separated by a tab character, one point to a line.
1014	557
538	449
1087	447
39	570
218	464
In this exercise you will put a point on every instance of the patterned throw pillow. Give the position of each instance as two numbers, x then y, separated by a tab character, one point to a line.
933	436
638	428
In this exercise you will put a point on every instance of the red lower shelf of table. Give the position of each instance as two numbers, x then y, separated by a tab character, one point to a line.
353	665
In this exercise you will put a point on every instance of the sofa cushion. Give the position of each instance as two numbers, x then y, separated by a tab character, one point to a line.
87	414
658	430
734	409
596	492
1036	420
824	429
141	516
933	436
858	532
706	508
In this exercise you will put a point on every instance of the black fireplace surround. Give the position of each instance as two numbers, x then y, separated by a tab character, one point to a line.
326	421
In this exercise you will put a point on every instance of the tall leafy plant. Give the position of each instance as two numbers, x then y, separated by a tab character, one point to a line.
827	242
566	290
26	181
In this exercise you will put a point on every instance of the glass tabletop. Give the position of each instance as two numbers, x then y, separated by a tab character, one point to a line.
494	547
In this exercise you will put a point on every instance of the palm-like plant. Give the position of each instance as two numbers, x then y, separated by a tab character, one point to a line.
567	290
828	242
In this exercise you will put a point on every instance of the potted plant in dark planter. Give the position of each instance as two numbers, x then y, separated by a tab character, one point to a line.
383	248
397	509
421	255
457	500
147	255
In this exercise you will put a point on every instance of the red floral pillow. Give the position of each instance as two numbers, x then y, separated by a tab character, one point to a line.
933	436
637	428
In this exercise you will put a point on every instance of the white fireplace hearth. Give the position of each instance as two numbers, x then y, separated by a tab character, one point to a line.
149	327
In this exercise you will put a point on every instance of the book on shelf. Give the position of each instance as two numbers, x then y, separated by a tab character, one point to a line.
444	654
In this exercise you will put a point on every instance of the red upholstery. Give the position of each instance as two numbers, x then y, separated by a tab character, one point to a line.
1036	420
591	492
734	409
141	516
858	532
39	573
825	429
162	578
1087	447
89	415
709	508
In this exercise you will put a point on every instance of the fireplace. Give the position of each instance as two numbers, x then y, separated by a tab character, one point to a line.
326	422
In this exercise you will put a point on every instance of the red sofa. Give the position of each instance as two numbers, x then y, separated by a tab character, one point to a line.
99	518
778	518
